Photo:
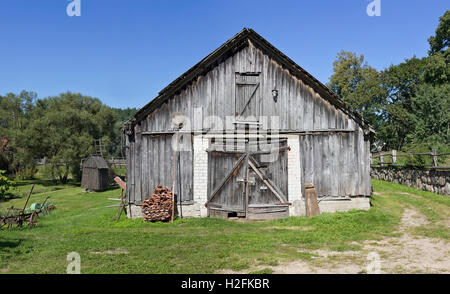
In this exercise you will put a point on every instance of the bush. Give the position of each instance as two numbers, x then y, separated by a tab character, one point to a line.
422	161
25	173
5	185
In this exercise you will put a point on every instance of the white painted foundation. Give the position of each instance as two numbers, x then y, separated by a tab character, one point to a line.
294	176
200	177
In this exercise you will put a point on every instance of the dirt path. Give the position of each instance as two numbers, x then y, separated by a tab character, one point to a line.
404	254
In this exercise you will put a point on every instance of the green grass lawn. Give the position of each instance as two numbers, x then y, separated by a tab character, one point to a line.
81	223
23	187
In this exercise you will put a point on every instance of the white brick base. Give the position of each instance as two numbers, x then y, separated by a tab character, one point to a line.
134	211
360	203
294	177
193	210
200	175
189	210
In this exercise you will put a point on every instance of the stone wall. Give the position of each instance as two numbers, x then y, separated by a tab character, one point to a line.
428	180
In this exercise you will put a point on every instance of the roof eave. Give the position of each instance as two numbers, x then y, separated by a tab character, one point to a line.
234	43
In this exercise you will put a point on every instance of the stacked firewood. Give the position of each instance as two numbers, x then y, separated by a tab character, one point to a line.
158	207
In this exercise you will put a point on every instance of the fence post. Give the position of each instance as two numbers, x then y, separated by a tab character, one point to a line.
434	154
394	156
381	159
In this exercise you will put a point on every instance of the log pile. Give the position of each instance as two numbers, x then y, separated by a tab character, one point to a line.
158	207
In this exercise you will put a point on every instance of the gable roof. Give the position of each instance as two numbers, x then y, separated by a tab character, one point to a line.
234	44
95	161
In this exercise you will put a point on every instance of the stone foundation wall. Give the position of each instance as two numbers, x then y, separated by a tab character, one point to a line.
427	180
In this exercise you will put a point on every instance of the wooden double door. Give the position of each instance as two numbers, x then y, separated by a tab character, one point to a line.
250	181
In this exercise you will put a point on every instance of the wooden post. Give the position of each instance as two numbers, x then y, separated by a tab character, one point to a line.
394	156
434	154
381	159
174	177
122	206
28	198
312	206
246	175
246	186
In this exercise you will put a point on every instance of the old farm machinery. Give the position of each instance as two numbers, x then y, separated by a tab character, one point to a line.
25	216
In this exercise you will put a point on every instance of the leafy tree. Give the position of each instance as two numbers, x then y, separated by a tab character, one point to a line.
410	110
358	84
431	116
63	130
400	83
441	40
437	68
115	146
15	114
124	114
5	185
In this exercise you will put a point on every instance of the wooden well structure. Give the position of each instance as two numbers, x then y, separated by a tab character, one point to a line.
95	173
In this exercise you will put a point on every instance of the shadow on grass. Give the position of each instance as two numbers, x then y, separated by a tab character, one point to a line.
112	186
46	183
10	244
9	197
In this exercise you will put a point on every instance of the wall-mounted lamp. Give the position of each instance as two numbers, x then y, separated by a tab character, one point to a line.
275	95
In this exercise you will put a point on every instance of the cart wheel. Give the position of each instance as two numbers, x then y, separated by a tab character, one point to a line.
33	220
19	221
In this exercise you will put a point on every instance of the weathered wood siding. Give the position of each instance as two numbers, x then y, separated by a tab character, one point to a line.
338	164
150	163
298	106
231	195
95	179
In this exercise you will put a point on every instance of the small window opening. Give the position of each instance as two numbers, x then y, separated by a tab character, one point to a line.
232	214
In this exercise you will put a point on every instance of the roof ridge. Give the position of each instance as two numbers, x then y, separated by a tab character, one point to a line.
236	41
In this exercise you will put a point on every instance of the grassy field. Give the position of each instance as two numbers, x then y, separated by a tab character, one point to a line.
81	223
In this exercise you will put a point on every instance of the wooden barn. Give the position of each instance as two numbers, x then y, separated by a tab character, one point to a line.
95	173
251	128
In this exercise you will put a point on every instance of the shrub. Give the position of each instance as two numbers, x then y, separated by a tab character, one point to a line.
5	185
26	173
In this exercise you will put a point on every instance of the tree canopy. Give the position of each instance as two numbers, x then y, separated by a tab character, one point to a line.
61	129
408	103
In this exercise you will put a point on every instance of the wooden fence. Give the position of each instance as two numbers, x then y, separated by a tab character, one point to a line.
118	162
381	162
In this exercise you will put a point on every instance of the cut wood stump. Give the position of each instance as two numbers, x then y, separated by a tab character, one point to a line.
312	206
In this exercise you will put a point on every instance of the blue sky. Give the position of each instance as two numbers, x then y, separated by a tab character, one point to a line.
125	51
